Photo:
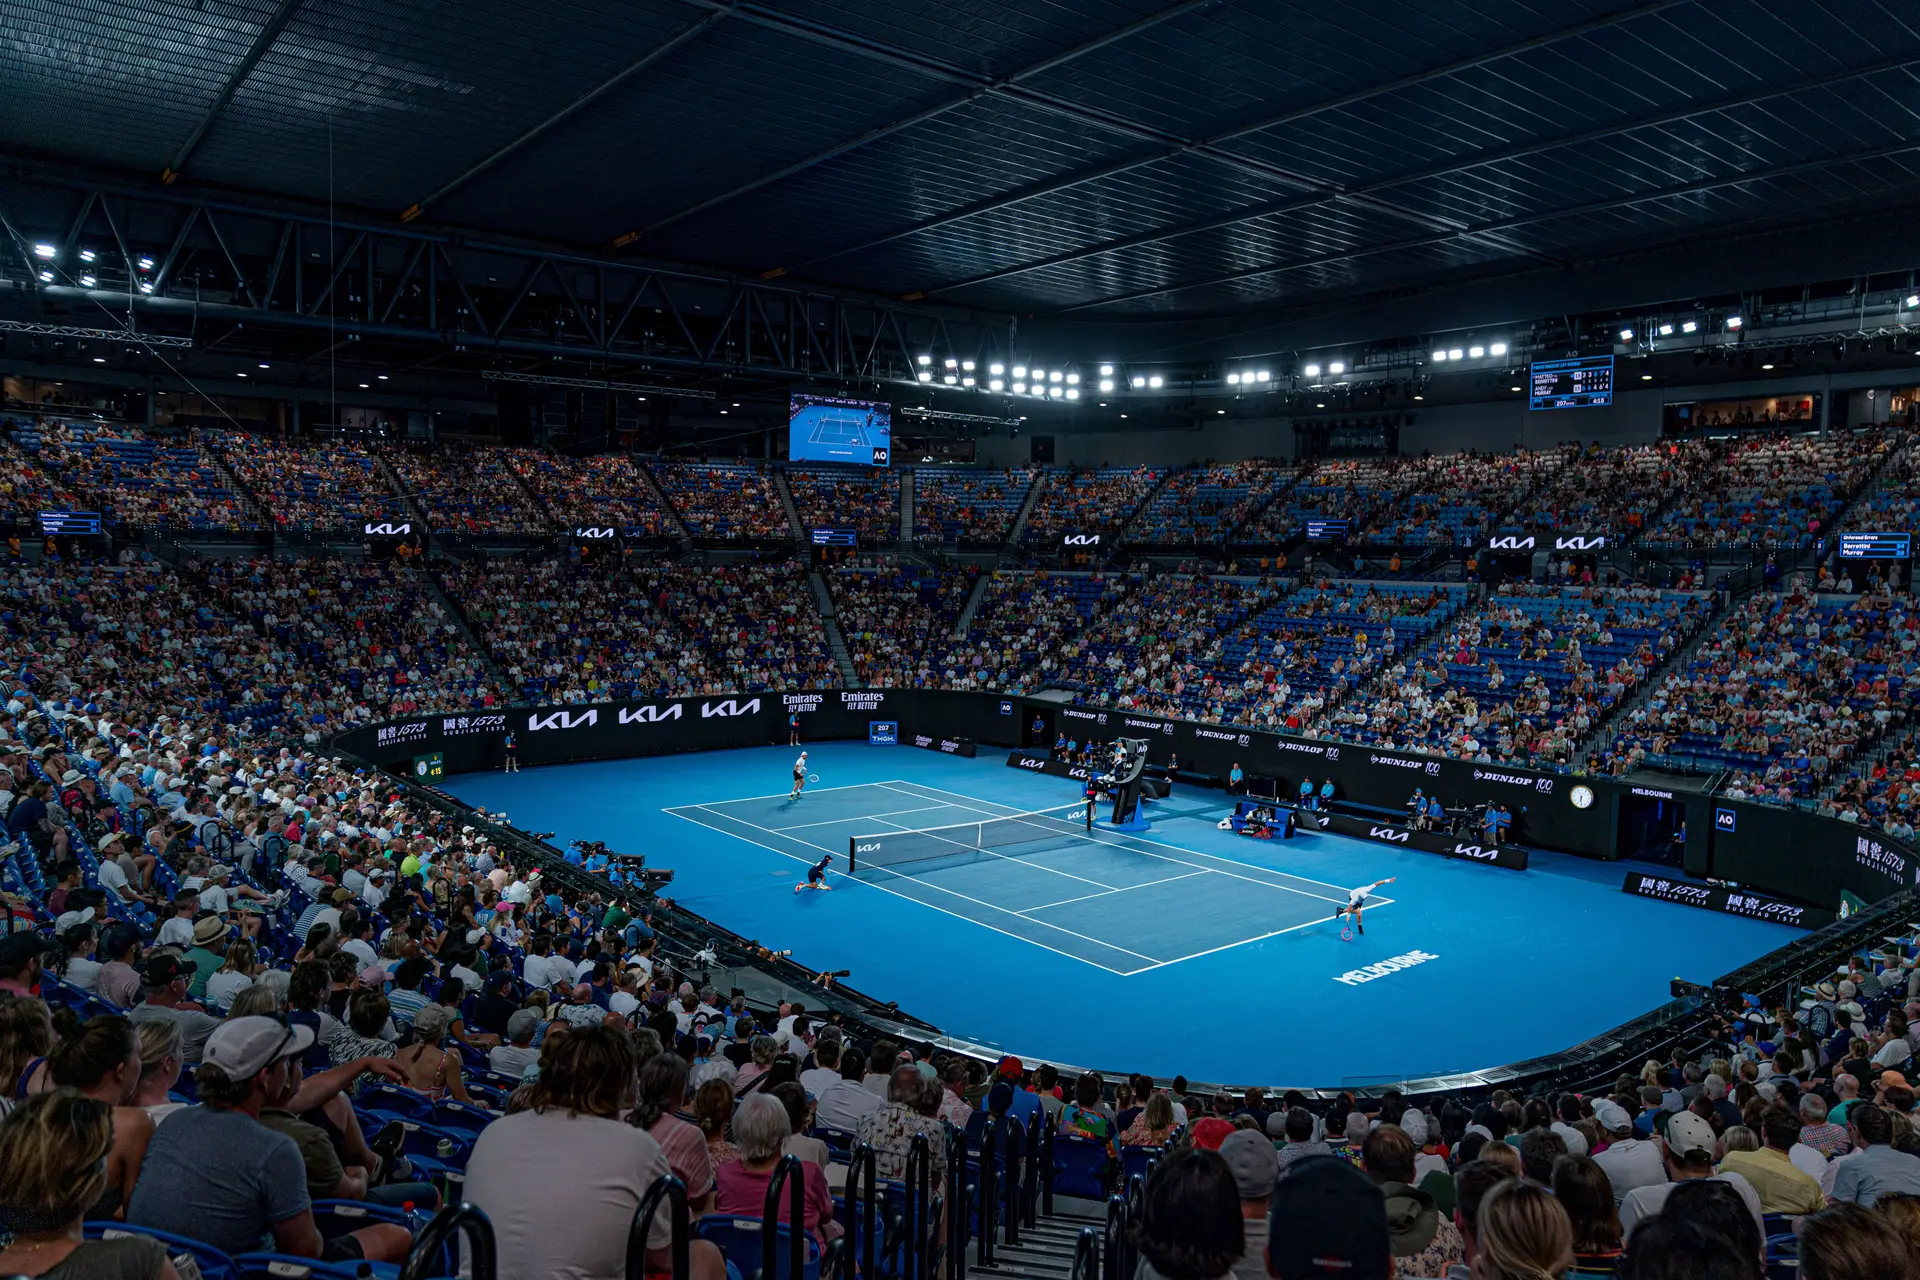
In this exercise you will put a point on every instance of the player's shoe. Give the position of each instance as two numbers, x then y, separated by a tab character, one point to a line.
1362	928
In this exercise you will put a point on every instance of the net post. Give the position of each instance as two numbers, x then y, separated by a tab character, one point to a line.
851	842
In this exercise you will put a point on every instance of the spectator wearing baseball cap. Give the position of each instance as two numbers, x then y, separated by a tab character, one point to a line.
163	984
515	1057
1424	1243
241	1185
1687	1152
1255	1167
1329	1222
1627	1161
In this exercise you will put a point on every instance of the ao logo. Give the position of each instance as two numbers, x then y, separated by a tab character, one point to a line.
1388	834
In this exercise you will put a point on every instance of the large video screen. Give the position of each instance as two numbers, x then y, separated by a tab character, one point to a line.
1583	382
829	429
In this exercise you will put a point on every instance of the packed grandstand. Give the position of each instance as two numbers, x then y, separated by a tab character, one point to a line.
220	931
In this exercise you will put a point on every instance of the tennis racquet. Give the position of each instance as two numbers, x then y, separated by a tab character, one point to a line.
813	777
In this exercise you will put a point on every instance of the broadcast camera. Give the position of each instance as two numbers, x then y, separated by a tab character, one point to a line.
540	835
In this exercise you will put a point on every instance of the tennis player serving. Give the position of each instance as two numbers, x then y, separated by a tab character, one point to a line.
817	876
1357	902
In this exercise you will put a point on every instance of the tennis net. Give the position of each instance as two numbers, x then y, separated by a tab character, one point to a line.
1015	834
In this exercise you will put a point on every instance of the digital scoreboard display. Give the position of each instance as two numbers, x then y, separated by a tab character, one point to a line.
69	522
1876	546
1326	531
834	537
1583	382
830	429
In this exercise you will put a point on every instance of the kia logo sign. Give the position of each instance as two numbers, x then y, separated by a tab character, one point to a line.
1473	851
649	715
562	720
1509	542
1581	542
1387	834
867	848
593	531
731	707
1081	540
384	530
1028	762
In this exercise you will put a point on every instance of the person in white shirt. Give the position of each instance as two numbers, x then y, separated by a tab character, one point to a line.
1687	1153
538	971
1569	1111
514	1058
177	929
846	1102
817	1080
1628	1162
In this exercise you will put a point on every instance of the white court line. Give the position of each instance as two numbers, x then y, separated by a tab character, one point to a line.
782	795
963	848
831	822
1111	844
1228	946
1100	942
1088	897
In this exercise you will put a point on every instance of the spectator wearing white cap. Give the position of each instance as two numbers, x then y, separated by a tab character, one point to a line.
241	1185
1687	1153
1628	1161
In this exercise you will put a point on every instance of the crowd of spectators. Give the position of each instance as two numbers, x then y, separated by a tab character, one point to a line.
1459	499
1607	492
895	618
134	479
1526	678
723	501
329	487
1351	489
1029	625
1088	501
469	489
1784	693
1205	505
864	499
1159	649
968	507
598	490
1770	490
25	486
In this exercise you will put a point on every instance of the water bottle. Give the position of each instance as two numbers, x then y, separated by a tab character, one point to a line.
445	1149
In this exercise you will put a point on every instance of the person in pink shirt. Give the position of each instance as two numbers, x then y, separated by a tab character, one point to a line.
760	1130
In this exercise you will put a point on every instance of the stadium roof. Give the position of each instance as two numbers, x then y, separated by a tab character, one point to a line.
1094	158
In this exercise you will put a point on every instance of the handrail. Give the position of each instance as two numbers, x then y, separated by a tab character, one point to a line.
1030	1183
1047	1158
916	1260
956	1205
1010	1185
989	1192
462	1218
1115	1240
861	1256
786	1170
1086	1256
666	1187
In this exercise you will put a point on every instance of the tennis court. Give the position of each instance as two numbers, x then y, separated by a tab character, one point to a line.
1119	901
838	426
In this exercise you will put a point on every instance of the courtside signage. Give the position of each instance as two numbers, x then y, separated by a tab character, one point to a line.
1394	964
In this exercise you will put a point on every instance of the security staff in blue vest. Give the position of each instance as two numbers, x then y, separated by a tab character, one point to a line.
1436	814
1326	794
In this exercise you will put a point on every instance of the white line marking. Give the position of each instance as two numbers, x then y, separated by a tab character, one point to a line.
1128	888
930	906
1228	946
1004	857
829	822
782	795
1112	844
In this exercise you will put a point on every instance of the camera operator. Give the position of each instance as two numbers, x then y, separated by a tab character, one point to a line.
1417	810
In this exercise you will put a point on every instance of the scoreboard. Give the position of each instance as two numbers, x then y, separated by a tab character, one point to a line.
68	522
1326	530
833	537
1876	546
1582	382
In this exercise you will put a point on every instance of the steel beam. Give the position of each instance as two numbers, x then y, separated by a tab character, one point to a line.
262	41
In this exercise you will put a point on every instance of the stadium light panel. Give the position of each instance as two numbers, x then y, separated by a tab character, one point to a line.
1455	353
950	379
87	281
1056	392
1336	368
46	277
1106	370
1497	349
1073	379
44	251
86	255
1019	388
1913	299
1312	371
952	363
146	264
1019	371
996	384
966	380
1156	381
926	359
996	368
1106	384
1476	352
146	286
1055	376
1073	393
265	365
1689	327
1233	379
1262	375
1626	335
103	360
1440	355
925	376
966	366
1734	322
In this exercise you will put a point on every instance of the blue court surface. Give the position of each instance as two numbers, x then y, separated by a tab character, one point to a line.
1182	949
